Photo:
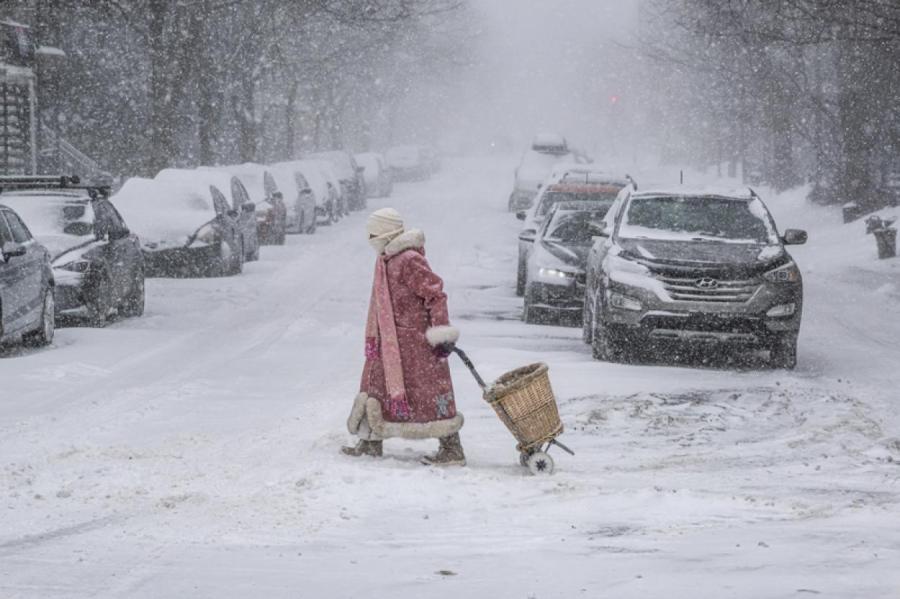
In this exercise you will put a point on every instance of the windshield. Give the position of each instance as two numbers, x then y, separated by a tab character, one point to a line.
573	227
554	197
698	219
54	215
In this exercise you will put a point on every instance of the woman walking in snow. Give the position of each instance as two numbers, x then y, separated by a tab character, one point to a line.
406	389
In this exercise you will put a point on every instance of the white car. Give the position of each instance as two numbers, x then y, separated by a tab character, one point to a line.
379	181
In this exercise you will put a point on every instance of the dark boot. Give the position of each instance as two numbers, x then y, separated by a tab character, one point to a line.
449	454
369	448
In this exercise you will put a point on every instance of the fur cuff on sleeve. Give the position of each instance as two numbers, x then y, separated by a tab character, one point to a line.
442	334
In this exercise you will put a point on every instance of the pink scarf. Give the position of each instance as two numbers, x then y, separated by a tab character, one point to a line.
382	341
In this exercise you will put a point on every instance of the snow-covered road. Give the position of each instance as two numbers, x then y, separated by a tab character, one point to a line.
194	452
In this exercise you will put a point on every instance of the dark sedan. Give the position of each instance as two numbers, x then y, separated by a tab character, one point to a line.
97	264
554	285
26	284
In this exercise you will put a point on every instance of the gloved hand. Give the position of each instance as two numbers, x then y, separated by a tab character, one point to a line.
444	349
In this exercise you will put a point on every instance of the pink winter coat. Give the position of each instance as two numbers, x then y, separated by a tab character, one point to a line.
422	321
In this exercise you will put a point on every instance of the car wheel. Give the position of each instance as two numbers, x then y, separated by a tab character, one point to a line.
607	344
587	322
520	278
783	353
530	314
43	335
134	303
100	306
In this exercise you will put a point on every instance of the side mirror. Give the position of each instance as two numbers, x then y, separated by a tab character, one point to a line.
599	229
540	186
248	207
794	237
521	214
232	213
12	249
528	235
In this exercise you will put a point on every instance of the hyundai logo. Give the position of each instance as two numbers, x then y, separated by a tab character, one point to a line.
706	283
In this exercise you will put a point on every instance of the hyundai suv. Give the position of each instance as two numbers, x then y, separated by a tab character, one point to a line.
702	266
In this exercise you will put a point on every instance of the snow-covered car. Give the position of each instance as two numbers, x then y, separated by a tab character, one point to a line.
407	163
379	181
27	313
297	196
186	228
554	285
692	265
326	189
534	167
98	269
267	200
566	187
349	174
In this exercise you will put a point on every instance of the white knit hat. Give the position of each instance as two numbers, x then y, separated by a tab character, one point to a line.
385	222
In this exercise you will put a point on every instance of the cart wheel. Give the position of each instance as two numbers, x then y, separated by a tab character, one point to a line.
540	463
523	457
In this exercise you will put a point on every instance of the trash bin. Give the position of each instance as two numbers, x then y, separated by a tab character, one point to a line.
886	239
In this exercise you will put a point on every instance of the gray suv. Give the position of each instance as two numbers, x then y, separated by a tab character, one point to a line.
701	266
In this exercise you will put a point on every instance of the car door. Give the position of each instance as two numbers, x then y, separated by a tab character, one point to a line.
240	200
121	248
23	275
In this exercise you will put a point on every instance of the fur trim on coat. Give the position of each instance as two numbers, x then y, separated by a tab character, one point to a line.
442	334
414	239
366	418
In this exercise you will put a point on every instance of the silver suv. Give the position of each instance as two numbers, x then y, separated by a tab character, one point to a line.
703	266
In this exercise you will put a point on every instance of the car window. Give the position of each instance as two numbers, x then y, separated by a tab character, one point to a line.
5	233
54	215
20	233
695	218
553	197
573	227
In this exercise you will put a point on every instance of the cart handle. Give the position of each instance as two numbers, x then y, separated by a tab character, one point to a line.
462	356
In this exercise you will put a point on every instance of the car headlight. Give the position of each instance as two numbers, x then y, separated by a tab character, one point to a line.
555	276
623	302
76	266
782	310
788	273
207	234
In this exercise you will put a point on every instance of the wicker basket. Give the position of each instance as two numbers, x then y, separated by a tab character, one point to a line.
524	401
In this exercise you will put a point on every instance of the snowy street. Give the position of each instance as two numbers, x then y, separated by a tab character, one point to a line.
194	452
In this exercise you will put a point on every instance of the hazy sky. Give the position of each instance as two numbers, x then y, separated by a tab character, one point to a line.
546	65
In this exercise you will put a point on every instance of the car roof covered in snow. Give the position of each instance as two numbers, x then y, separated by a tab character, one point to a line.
699	191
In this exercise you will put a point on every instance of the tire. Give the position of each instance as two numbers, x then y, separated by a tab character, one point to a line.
134	303
783	353
99	308
587	323
43	335
606	344
520	277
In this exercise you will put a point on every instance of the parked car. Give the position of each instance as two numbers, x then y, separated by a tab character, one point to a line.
187	228
407	163
27	312
301	215
267	200
554	284
534	167
566	187
701	266
330	204
98	269
349	173
379	181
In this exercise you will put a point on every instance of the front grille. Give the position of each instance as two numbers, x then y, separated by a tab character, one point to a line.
708	289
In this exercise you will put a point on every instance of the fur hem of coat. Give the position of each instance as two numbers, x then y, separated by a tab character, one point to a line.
413	239
442	334
366	417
